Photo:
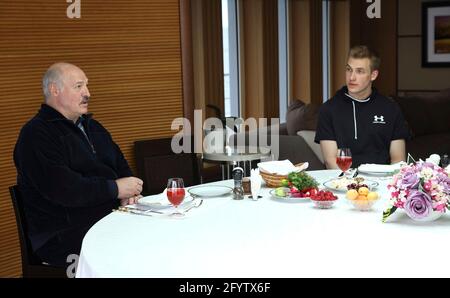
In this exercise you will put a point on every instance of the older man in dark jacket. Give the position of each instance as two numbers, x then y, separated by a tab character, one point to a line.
69	170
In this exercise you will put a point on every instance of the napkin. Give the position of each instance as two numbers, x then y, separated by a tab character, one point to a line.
255	183
380	168
157	200
281	167
434	158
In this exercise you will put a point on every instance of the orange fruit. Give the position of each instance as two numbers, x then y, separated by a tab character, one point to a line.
363	191
372	196
361	198
352	194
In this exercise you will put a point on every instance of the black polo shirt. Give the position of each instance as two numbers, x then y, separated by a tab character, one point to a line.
367	126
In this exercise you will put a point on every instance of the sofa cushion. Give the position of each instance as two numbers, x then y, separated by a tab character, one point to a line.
301	116
438	108
308	136
413	112
423	146
296	150
426	114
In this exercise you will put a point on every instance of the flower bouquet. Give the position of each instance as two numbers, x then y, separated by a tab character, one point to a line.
422	189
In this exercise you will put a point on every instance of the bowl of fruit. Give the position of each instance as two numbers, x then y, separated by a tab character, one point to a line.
323	199
361	197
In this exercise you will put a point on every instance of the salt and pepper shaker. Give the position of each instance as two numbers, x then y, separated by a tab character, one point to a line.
246	185
445	161
238	190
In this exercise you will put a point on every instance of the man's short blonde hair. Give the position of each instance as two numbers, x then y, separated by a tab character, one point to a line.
361	52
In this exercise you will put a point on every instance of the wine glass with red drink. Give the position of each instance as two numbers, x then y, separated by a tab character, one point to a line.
344	159
175	194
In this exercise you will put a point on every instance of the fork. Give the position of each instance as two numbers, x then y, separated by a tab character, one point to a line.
194	206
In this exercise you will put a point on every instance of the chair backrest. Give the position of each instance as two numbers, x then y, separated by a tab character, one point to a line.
31	265
156	162
25	244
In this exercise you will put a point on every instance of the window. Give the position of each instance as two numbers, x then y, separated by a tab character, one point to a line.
283	58
230	57
326	49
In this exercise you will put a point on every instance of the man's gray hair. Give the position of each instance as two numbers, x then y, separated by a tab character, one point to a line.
53	75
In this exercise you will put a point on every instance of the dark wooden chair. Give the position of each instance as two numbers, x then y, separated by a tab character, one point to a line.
156	162
32	267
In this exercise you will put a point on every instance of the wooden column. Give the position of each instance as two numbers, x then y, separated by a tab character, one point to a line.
306	49
381	35
339	43
315	42
271	60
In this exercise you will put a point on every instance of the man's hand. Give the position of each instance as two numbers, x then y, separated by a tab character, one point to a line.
129	187
130	201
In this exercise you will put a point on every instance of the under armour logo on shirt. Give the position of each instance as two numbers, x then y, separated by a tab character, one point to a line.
378	119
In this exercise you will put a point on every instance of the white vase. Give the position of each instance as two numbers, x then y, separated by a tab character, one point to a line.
431	217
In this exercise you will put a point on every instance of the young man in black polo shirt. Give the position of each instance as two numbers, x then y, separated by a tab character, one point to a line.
360	118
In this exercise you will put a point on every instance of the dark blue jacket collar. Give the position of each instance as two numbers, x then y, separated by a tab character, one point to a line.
48	113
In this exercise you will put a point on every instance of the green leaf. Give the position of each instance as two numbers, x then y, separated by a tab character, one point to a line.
302	180
388	213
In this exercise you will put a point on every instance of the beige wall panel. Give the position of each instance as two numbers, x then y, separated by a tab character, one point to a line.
411	74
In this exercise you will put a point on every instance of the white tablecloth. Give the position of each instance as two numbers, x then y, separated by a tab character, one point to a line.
267	238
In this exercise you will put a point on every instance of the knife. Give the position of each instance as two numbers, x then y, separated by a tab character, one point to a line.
139	212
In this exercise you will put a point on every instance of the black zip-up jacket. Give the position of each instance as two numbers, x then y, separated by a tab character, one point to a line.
367	126
66	180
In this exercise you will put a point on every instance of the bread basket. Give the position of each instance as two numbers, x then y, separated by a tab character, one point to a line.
274	180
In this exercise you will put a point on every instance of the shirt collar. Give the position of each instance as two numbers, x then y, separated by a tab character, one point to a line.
359	100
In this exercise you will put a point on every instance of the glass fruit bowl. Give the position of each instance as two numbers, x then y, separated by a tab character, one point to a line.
362	199
324	199
362	204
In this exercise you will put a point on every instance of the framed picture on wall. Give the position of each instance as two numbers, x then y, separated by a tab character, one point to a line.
436	34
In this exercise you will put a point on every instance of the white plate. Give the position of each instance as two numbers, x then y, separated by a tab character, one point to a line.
376	173
379	169
210	191
287	199
343	188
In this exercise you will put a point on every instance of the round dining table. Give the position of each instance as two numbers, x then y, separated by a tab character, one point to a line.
268	238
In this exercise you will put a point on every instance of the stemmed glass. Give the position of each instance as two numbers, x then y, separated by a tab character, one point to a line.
175	194
344	159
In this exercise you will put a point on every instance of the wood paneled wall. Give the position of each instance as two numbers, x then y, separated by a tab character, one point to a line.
131	53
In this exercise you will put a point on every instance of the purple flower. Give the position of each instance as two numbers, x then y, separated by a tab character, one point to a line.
418	204
410	179
444	180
